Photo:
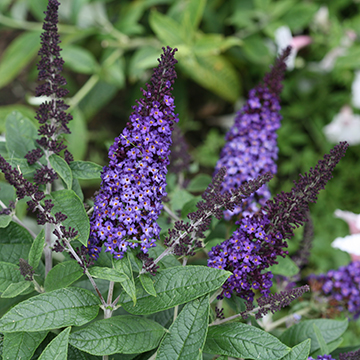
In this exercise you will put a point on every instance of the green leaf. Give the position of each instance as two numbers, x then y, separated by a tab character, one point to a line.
77	189
15	243
186	337
62	169
97	97
245	341
20	135
36	250
299	352
213	44
67	202
165	262
63	275
190	207
148	284
213	72
85	170
285	267
174	286
58	347
124	266
107	274
199	183
144	58
300	15
15	289
9	274
22	345
179	199
330	330
22	164
59	308
78	130
192	15
323	346
17	55
166	29
5	220
119	334
26	111
79	59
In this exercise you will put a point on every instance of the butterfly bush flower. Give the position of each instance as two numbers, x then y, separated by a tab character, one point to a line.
341	287
251	148
261	238
51	114
322	357
133	184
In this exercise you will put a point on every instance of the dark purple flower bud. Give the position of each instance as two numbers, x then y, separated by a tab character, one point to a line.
133	184
26	270
251	147
51	114
353	355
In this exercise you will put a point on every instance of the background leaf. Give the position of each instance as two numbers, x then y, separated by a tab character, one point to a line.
107	274
119	334
36	249
59	308
245	341
62	169
299	352
174	286
20	135
330	330
85	170
9	273
19	53
16	289
58	347
63	275
79	59
285	267
187	334
22	345
67	202
124	266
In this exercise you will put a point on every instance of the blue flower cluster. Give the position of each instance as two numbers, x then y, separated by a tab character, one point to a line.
133	184
322	357
261	237
343	287
246	254
251	147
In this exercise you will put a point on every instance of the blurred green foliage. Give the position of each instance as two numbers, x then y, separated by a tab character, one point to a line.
225	47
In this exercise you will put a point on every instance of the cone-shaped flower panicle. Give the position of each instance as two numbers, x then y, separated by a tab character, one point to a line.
251	147
260	239
133	184
51	114
341	287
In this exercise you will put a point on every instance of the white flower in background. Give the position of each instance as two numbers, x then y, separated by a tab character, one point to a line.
321	18
355	90
284	38
345	126
351	218
350	243
328	62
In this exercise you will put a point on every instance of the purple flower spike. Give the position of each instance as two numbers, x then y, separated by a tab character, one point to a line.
251	147
51	114
260	239
133	184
